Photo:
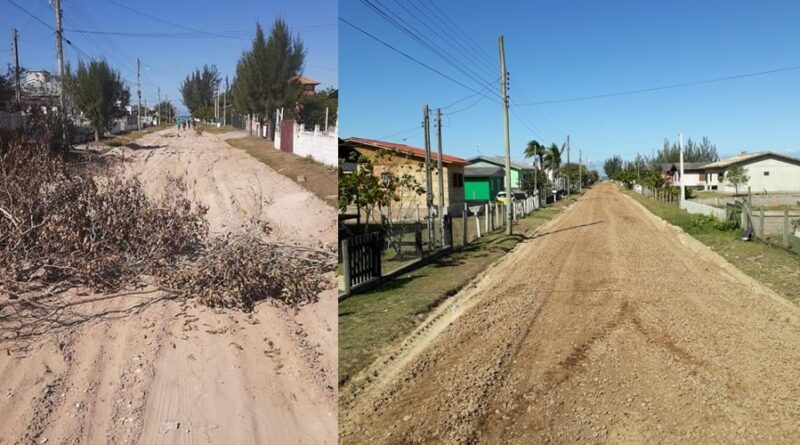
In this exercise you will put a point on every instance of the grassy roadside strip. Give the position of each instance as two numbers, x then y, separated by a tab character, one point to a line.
774	267
213	129
372	321
315	177
130	136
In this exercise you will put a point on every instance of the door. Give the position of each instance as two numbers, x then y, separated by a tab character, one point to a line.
287	135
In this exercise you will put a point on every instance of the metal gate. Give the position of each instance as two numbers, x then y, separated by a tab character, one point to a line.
362	259
287	135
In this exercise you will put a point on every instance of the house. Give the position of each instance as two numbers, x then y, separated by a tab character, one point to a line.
481	184
768	171
519	171
309	85
693	172
404	159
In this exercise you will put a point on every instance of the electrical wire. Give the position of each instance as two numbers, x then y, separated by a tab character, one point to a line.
664	87
406	55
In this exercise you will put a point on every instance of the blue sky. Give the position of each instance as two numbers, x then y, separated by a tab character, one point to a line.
570	48
167	60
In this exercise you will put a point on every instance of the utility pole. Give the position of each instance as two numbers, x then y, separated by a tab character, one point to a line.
169	108
426	124
680	149
580	167
60	55
504	94
159	106
15	36
441	171
569	189
225	103
139	93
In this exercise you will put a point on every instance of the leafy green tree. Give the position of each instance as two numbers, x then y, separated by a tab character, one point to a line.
198	89
267	75
312	108
99	92
613	166
737	176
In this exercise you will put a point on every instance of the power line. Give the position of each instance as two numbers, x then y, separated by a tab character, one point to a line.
177	25
406	55
398	22
664	87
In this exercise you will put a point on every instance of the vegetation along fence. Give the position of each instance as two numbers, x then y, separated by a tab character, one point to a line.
779	227
395	247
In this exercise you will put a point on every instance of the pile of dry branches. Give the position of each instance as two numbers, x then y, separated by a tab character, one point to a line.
67	224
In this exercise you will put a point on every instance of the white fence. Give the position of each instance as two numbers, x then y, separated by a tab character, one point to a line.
703	209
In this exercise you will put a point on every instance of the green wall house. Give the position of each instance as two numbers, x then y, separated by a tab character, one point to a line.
518	170
481	184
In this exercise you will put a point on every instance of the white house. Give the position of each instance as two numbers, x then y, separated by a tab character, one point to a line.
693	173
768	171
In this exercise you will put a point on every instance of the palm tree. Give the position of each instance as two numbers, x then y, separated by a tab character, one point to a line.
536	150
552	159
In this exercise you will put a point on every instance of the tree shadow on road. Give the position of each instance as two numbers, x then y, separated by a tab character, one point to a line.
567	228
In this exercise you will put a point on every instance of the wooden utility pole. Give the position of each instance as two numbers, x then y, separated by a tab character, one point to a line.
139	93
15	36
60	55
504	95
441	170
426	124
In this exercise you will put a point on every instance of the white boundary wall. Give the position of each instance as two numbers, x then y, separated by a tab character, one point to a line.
703	209
322	146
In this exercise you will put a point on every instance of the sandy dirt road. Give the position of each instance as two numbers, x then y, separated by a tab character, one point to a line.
609	326
175	372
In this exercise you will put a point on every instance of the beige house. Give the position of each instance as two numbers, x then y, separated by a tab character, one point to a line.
404	159
768	171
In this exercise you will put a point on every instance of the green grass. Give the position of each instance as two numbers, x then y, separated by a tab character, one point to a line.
130	136
374	320
773	266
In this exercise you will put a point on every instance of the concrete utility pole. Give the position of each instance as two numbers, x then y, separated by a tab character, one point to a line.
569	189
159	106
225	103
139	93
426	124
441	170
680	149
580	167
15	36
169	108
504	94
60	55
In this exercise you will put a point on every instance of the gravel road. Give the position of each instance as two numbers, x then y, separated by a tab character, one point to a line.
175	372
608	326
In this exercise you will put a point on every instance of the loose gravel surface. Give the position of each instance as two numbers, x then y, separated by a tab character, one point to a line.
608	326
175	372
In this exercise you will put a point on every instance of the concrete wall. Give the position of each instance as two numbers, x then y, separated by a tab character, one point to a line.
696	207
322	146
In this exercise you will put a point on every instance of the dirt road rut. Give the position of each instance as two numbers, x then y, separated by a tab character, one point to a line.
609	326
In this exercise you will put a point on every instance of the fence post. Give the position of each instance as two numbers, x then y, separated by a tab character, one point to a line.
478	224
761	225
464	233
377	249
786	228
348	279
488	227
418	240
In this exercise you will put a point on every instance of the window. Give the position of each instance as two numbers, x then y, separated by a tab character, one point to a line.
458	180
386	177
766	173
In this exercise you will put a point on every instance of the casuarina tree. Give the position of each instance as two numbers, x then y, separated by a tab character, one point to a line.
198	89
99	92
267	75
